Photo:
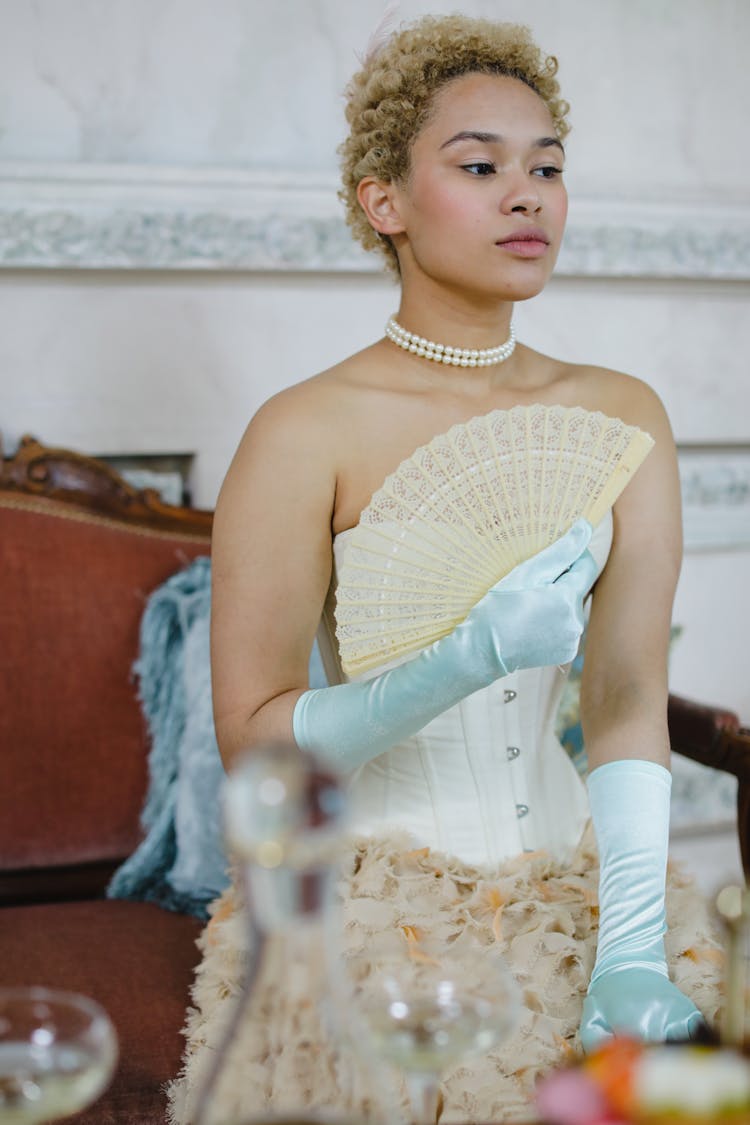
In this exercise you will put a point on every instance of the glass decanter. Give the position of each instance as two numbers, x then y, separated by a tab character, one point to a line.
283	817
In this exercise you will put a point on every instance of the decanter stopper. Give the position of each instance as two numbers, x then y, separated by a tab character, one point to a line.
283	817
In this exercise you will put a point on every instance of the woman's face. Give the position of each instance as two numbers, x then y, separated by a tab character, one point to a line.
484	206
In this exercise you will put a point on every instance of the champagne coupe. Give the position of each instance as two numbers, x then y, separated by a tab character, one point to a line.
416	1004
58	1051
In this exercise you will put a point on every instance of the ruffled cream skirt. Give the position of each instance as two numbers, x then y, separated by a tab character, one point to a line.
541	914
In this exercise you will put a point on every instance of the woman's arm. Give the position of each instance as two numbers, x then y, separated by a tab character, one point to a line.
624	709
271	565
624	686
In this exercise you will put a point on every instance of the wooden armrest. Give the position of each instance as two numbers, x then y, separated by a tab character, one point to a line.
713	736
709	735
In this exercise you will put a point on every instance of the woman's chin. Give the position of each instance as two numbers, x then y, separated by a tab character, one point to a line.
511	284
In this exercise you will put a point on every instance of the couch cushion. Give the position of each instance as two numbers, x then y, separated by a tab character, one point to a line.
73	762
136	960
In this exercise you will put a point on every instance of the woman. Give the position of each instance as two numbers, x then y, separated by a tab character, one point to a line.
453	171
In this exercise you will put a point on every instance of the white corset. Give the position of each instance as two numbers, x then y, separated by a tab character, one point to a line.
486	779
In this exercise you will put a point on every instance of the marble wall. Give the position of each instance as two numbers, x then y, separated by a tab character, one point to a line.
656	85
172	252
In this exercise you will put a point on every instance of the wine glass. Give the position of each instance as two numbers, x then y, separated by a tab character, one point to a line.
416	1004
58	1051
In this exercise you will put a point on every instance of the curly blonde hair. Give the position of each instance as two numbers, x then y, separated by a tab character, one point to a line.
389	100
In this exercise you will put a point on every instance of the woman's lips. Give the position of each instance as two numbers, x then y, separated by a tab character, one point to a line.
525	247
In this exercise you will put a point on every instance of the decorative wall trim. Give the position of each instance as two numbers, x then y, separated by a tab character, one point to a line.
88	216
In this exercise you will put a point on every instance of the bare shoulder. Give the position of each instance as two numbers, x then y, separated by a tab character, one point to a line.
294	452
648	511
299	417
302	423
619	395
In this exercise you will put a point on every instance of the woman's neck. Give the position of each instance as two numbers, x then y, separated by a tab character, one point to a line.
454	320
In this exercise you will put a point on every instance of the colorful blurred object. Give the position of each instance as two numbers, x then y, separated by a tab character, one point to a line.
626	1082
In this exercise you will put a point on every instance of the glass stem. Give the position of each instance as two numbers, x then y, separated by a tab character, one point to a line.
257	944
423	1096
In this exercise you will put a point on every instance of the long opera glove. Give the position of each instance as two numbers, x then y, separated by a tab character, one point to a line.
630	991
532	617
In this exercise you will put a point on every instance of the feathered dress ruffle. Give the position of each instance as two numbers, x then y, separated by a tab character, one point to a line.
542	914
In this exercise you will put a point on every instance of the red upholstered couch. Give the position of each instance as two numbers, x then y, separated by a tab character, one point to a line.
80	552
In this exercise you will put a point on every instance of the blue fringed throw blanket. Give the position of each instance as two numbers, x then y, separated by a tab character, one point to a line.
181	863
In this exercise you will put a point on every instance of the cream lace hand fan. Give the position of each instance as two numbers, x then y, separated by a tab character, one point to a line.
462	511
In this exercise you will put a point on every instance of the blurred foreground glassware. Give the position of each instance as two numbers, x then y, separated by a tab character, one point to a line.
412	1002
283	817
733	906
58	1052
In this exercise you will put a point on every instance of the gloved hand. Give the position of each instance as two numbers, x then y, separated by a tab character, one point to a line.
530	618
630	991
640	1003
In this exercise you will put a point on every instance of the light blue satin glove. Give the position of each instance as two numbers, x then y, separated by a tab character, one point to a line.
630	990
531	618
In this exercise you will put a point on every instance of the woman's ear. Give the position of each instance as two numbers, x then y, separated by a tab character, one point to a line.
378	200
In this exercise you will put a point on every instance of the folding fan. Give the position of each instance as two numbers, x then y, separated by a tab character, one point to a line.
462	511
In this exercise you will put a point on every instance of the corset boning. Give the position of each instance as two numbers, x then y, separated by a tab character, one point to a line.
486	779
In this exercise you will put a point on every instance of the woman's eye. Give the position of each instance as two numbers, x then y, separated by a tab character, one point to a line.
548	172
479	168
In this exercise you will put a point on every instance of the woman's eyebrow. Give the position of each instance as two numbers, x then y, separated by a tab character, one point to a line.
497	138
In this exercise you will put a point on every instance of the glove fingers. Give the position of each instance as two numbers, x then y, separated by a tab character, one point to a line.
554	560
580	577
594	1028
697	1026
691	1028
641	1004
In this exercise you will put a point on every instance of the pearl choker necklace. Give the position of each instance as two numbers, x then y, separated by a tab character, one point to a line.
441	353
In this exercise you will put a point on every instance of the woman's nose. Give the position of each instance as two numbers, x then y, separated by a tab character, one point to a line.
523	197
529	204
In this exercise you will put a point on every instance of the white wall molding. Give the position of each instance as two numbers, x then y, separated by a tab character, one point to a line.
131	217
